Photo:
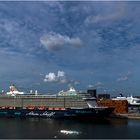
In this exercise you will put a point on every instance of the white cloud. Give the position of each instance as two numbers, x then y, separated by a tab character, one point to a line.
41	74
51	77
100	18
124	77
55	4
76	82
61	74
107	15
129	73
90	86
54	42
59	77
72	83
97	85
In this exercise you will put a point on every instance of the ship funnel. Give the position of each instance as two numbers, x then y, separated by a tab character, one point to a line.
13	88
13	91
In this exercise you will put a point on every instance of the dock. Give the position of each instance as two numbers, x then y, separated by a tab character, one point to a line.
126	115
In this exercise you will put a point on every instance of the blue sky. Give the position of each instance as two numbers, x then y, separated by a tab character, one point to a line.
50	46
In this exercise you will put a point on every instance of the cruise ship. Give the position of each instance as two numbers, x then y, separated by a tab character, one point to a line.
68	104
132	101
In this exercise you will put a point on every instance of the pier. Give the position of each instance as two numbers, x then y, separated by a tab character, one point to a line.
129	115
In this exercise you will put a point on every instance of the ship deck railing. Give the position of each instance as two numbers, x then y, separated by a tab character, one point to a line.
39	96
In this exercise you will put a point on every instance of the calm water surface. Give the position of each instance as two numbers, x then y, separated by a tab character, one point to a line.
49	128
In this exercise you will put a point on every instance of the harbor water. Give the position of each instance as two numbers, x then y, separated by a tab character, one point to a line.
17	128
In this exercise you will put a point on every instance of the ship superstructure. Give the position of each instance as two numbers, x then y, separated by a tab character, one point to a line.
70	92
